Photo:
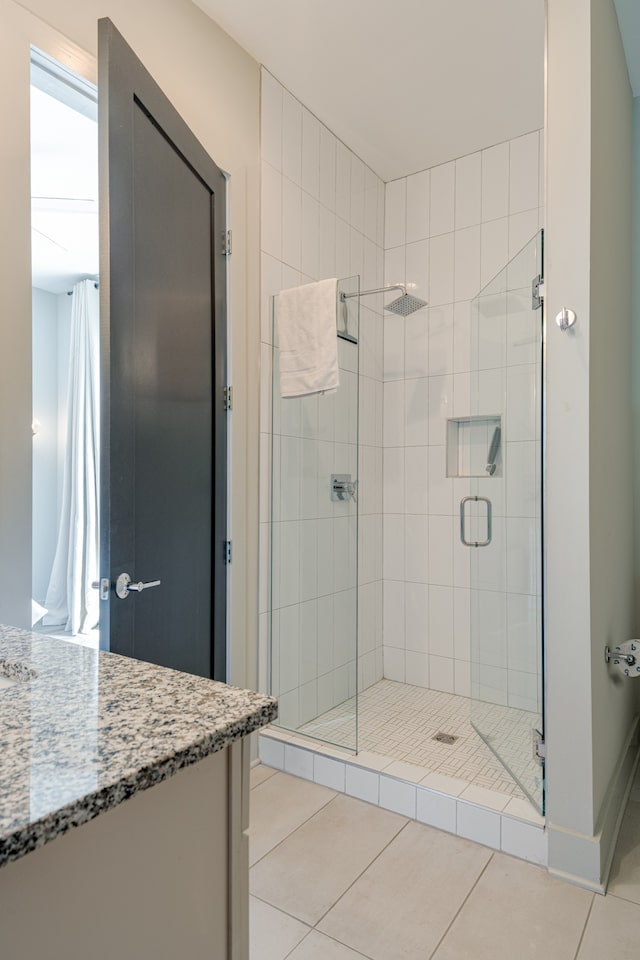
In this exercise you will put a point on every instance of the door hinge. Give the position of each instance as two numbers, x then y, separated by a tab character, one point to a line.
537	292
228	398
539	747
227	243
227	552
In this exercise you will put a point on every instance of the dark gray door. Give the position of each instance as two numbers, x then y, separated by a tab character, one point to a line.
163	292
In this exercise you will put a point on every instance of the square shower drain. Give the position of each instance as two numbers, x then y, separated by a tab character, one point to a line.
447	738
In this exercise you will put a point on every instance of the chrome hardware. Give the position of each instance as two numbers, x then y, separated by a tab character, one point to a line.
539	746
125	586
369	293
627	658
537	292
463	538
624	657
228	398
342	487
566	318
103	587
227	243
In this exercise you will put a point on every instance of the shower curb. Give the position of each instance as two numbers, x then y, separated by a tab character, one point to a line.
518	836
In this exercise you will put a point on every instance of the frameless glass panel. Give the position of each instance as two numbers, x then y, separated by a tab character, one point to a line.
314	546
501	520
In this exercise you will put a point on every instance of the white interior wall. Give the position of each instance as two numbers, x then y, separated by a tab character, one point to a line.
449	231
322	216
215	86
589	532
614	704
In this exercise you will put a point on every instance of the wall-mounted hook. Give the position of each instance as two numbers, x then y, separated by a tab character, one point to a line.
566	318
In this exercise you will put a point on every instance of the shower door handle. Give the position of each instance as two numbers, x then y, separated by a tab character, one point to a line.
463	517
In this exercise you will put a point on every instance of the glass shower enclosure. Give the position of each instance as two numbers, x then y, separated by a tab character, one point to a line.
314	545
501	518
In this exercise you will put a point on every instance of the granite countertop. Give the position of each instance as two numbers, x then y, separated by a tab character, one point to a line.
81	731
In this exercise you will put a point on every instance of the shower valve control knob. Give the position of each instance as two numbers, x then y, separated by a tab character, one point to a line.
125	586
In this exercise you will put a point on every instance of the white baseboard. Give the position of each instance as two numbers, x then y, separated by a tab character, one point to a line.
586	860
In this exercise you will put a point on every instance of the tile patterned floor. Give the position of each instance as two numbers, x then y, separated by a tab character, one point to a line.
398	720
337	879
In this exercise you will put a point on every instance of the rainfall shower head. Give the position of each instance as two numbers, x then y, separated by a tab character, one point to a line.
402	305
405	304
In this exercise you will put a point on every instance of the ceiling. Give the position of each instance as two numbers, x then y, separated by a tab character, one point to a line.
64	194
406	84
629	20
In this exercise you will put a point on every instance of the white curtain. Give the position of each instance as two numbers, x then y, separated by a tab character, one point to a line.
71	600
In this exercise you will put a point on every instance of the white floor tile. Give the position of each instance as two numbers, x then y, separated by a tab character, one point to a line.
406	771
518	911
260	773
624	880
319	947
280	805
273	934
404	902
484	797
613	931
307	873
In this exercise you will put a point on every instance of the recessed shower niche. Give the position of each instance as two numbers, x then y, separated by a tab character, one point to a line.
474	447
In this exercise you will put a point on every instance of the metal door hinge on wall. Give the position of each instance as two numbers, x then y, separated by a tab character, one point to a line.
539	747
228	398
227	242
537	292
227	552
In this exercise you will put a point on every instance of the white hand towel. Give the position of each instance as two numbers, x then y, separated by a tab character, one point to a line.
308	339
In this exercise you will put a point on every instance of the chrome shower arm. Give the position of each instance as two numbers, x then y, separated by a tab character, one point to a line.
370	293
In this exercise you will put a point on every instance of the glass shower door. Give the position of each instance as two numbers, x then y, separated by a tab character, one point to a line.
501	519
314	547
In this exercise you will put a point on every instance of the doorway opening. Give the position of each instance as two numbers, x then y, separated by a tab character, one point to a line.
65	320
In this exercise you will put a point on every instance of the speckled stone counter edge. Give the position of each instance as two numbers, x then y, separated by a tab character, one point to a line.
213	715
84	809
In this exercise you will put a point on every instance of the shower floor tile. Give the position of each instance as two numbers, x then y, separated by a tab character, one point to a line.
398	721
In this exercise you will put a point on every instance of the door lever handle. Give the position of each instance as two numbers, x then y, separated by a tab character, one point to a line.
125	586
140	586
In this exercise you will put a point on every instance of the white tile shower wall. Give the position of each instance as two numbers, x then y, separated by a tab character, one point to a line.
322	216
448	231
